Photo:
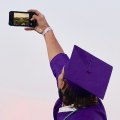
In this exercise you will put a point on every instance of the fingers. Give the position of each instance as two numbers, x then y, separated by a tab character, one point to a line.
28	29
34	17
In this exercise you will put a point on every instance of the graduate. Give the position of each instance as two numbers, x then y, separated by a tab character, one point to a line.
82	79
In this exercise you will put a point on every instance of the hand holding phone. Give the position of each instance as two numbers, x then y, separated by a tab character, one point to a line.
32	20
42	23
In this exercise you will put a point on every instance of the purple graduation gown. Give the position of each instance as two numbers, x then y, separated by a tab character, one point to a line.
96	112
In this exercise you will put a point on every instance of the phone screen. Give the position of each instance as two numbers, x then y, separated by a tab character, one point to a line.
21	19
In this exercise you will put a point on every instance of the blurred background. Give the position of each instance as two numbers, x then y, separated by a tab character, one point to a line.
28	88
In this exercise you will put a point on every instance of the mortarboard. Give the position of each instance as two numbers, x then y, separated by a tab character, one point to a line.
87	72
83	70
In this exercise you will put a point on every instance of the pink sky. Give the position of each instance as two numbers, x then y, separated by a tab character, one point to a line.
25	109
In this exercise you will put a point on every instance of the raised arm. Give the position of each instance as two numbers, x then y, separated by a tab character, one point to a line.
53	47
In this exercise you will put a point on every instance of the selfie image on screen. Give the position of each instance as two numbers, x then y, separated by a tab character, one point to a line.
21	19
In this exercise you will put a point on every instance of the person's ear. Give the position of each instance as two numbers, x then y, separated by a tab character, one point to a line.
62	84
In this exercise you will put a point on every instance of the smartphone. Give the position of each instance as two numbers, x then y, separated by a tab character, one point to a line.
18	18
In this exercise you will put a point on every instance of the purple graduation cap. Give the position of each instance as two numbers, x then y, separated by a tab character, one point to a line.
88	72
83	70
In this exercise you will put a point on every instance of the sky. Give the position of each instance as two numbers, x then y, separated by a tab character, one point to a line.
28	88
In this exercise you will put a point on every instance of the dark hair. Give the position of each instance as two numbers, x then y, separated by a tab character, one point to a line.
79	97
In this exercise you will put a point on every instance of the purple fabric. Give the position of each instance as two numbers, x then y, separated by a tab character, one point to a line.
96	112
88	72
83	70
57	63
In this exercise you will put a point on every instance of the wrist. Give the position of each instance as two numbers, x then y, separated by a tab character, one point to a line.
46	30
40	30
